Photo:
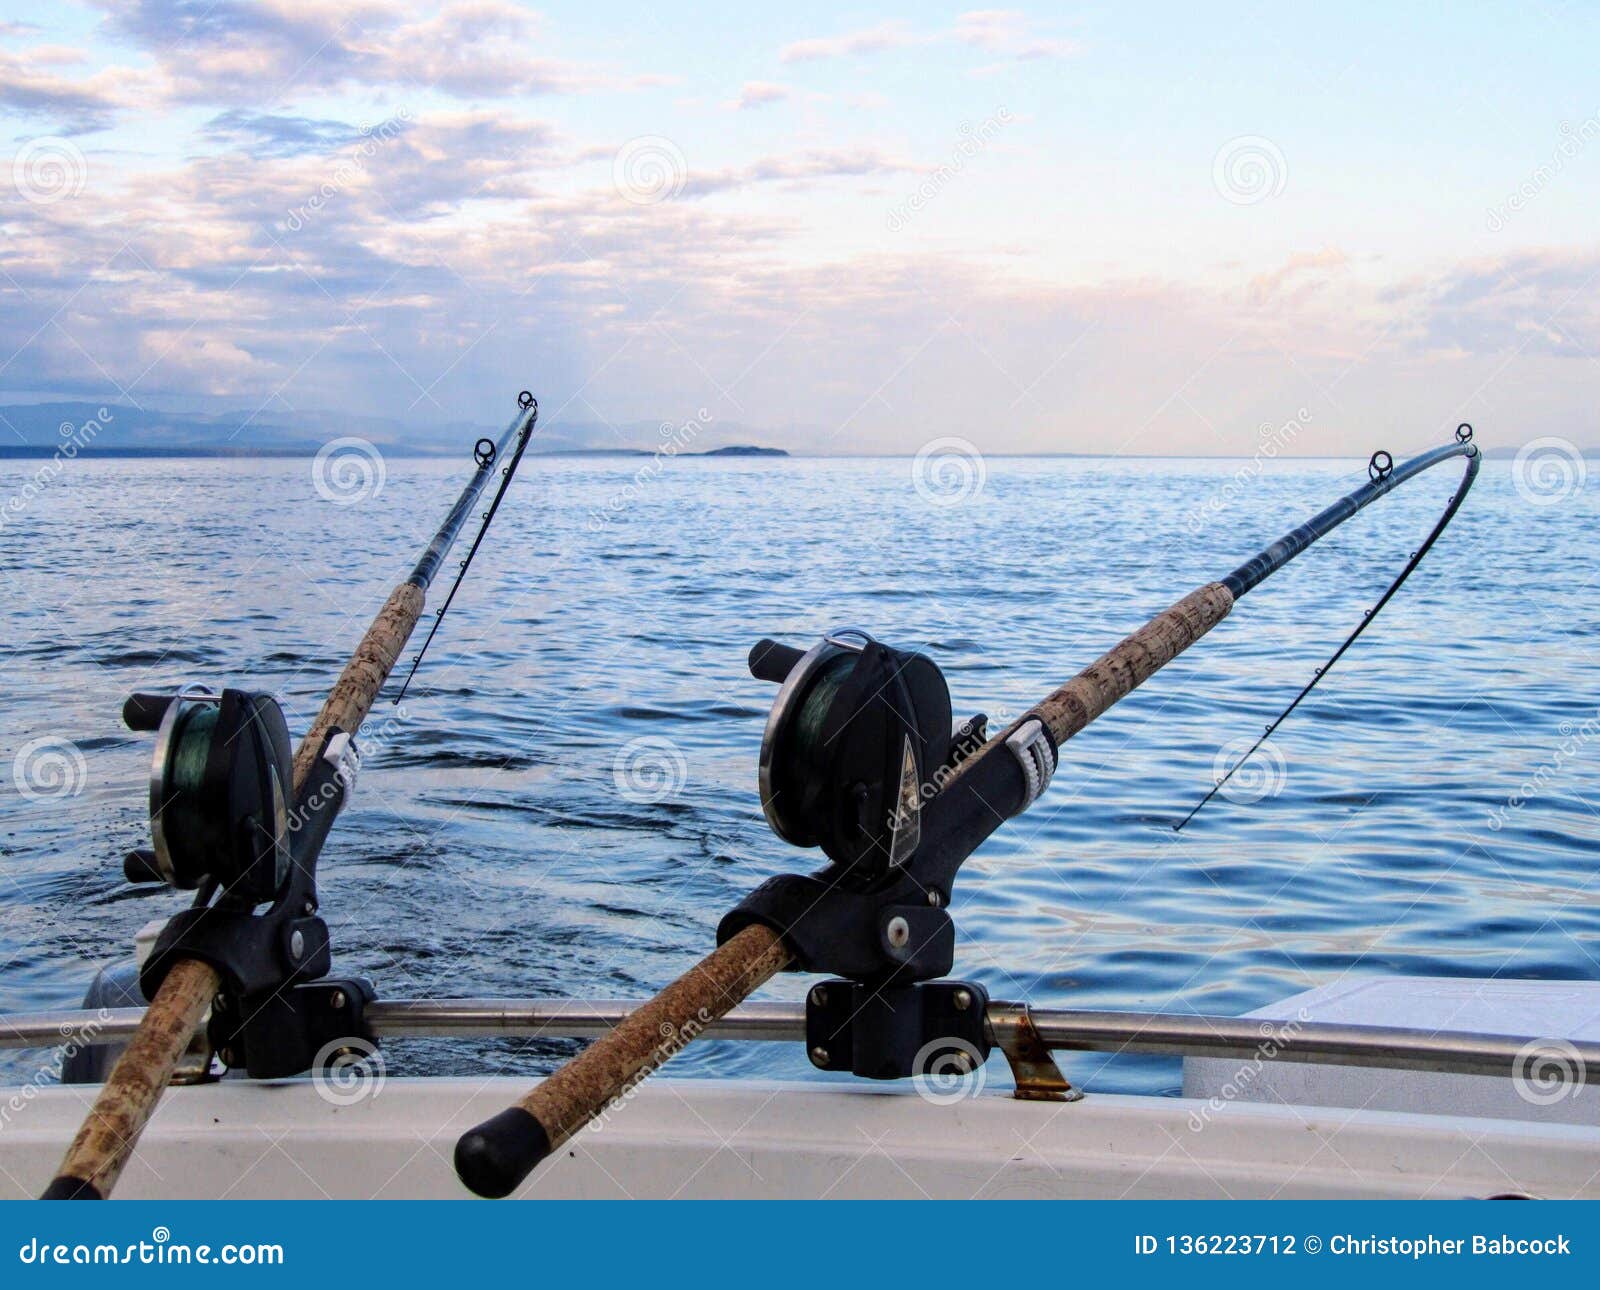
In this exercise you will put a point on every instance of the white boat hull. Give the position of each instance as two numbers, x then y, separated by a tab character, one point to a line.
756	1140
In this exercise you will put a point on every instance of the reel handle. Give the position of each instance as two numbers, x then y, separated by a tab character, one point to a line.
771	660
140	866
143	712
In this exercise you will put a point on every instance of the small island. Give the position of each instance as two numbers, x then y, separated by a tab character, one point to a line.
742	450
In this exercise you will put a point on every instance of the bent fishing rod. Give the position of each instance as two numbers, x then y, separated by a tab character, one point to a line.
861	758
237	820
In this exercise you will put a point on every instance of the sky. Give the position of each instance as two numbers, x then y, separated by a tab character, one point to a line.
1112	228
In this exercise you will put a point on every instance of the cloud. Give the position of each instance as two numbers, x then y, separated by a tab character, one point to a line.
887	35
800	169
1009	32
76	104
1006	32
755	94
264	135
1540	303
205	51
1306	269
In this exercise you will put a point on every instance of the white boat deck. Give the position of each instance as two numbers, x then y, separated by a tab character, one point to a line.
752	1140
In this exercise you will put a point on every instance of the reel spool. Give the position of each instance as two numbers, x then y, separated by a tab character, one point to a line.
219	787
852	748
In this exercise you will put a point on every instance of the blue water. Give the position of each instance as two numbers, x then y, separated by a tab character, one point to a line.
488	849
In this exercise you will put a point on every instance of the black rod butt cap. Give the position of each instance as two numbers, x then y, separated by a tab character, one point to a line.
494	1158
66	1187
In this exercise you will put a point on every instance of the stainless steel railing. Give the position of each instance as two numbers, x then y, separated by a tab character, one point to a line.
1167	1033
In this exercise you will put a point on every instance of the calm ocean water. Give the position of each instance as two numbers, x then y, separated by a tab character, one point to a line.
568	803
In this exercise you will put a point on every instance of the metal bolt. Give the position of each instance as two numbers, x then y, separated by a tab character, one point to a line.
934	898
819	1056
899	932
337	1000
962	1063
310	907
819	997
962	999
297	945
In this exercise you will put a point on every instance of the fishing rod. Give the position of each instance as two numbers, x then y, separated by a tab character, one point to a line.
237	820
860	757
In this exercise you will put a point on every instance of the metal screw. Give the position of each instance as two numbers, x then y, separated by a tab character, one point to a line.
962	999
819	997
819	1056
337	1001
310	906
297	945
899	932
963	1063
934	898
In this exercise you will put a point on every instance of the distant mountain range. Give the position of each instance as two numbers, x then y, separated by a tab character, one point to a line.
34	428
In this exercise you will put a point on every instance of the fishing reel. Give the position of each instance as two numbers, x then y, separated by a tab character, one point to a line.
859	736
859	743
223	823
219	792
